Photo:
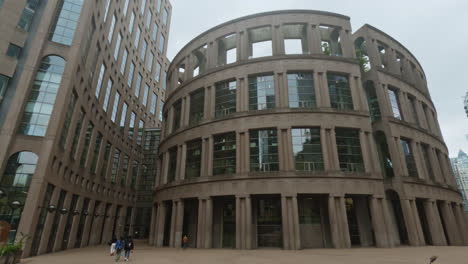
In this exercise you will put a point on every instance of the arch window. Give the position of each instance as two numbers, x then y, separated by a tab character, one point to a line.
42	97
15	184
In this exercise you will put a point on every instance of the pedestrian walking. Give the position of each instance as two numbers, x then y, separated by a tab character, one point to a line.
185	242
112	245
119	245
128	247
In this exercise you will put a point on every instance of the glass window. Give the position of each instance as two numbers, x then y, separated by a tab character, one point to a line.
264	150
161	43
124	62
157	74
427	161
99	82
3	85
90	32
165	14
123	178
340	92
143	51
108	93
164	80
307	149
28	14
132	21
301	90
141	128
148	19
409	158
111	30
131	126
117	46
145	95
123	117
177	114
150	62
13	51
130	74
105	163
66	21
134	174
154	100
142	7
197	104
15	183
115	106
138	85
107	10
76	135
42	96
126	7
68	117
225	98
193	162
171	172
97	148
261	92
115	165
155	32
372	101
224	153
395	104
84	153
348	145
161	106
137	37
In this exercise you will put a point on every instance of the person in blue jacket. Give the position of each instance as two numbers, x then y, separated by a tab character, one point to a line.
119	245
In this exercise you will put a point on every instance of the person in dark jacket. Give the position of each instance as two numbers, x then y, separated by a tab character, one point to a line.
119	245
128	247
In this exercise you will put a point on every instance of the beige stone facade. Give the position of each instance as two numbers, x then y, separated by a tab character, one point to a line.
393	187
83	157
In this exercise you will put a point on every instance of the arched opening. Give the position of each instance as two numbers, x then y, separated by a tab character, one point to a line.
399	231
41	99
384	154
372	101
14	188
361	54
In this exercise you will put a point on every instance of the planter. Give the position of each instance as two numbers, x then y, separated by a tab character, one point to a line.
12	258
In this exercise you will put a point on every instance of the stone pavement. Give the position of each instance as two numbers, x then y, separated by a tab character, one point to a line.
146	254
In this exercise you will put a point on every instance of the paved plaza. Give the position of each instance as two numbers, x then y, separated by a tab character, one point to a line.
145	254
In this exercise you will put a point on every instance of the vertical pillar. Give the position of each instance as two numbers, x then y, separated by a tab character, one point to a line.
315	46
238	152
152	224
179	223
450	224
297	233
366	153
435	228
417	221
278	40
161	224
343	222
347	44
318	90
208	222
209	164
388	223
285	222
238	223
378	222
334	149
63	221
173	224
165	169
324	142
323	86
435	165
355	94
183	160
75	223
410	222
201	222
48	222
335	236
185	121
461	222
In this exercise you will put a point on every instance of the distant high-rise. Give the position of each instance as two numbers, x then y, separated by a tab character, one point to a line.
466	104
81	87
460	169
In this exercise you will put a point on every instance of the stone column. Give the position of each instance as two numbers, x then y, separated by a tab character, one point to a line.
243	222
48	222
183	161
366	153
435	228
62	223
173	224
238	224
208	223
355	94
209	164
338	222
152	224
451	225
278	40
347	44
185	121
438	223
410	222
87	226
248	216
343	222
417	220
290	222
461	222
244	96
388	224
333	149
75	223
435	165
179	224
165	168
318	90
161	224
285	223
323	87
378	222
325	143
313	35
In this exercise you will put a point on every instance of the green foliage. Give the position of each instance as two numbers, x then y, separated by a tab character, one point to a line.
326	48
363	61
11	249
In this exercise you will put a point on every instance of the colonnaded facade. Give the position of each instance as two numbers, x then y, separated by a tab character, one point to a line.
285	129
81	88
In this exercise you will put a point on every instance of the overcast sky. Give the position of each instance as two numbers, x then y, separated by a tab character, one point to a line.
435	31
